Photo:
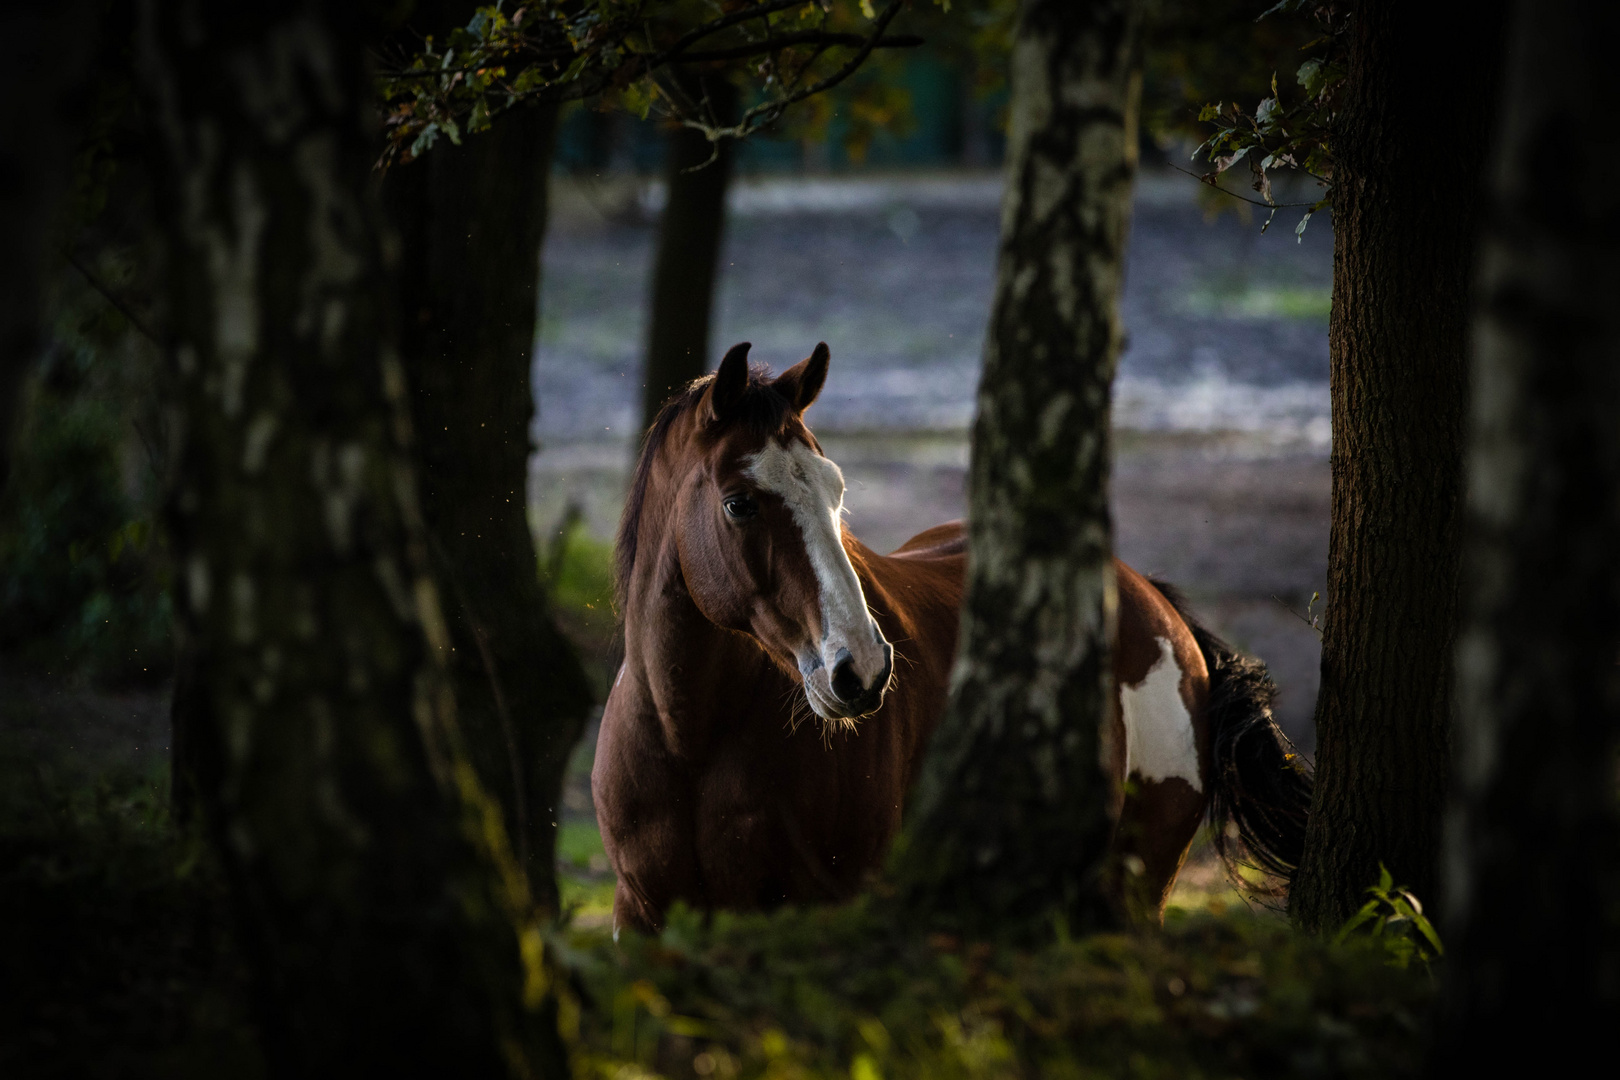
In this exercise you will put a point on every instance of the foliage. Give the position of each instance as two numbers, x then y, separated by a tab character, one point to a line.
782	51
1195	51
577	570
1283	134
114	925
1395	918
83	572
856	992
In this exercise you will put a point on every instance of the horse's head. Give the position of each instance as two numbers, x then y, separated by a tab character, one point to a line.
756	514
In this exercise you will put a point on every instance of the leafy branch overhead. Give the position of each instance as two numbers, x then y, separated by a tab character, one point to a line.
625	51
1286	134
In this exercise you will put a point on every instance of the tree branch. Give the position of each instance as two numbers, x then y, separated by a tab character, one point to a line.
107	294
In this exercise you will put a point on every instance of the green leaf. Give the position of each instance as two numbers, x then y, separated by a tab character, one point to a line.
528	79
1308	72
425	140
1368	912
1207	113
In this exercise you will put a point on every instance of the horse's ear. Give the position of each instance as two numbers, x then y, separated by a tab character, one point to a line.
802	382
729	383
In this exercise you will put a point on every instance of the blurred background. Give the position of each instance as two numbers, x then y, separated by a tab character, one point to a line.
1221	403
868	219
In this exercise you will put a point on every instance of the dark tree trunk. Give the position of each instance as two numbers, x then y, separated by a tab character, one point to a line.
1407	159
380	905
471	219
1533	870
33	173
689	237
1010	820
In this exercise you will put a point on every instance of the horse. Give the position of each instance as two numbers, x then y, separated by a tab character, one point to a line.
749	608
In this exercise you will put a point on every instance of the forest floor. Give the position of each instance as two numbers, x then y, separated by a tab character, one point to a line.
120	960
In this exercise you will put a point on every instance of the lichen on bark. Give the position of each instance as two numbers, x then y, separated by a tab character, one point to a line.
1010	818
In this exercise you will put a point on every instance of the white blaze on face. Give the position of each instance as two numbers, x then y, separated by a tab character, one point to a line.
1159	740
812	487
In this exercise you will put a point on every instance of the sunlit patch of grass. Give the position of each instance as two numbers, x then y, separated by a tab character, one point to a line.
585	881
1261	302
580	573
579	846
1206	887
577	570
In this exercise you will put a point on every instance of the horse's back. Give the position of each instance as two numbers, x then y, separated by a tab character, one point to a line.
935	543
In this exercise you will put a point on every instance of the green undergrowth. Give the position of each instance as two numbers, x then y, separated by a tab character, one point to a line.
585	880
856	993
84	573
577	570
118	955
119	961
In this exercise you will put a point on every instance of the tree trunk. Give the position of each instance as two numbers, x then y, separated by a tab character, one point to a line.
33	170
688	262
1010	820
471	219
388	925
1407	158
1533	868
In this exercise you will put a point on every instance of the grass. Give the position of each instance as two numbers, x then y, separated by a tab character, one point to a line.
577	570
584	879
119	954
858	992
116	926
1262	302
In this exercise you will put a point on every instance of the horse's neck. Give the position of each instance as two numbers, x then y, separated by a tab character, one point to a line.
680	668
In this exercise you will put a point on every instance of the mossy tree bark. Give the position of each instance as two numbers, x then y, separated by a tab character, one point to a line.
471	219
1533	868
387	923
1407	159
690	233
1010	819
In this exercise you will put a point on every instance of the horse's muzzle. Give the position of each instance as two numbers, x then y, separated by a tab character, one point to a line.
857	698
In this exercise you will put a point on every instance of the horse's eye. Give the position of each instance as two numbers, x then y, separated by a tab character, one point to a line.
741	507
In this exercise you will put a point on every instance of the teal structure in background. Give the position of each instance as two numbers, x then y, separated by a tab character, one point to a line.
950	126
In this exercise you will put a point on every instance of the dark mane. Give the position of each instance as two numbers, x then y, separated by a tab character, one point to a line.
762	410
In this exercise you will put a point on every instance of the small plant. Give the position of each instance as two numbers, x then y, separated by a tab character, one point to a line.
1312	617
1395	917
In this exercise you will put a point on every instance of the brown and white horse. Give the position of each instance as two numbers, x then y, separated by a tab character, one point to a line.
747	605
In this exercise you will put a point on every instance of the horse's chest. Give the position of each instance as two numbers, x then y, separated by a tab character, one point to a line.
794	827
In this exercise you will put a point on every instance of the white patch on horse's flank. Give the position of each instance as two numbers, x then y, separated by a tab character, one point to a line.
1159	740
813	489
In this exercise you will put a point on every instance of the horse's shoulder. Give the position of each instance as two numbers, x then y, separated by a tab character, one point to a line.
935	543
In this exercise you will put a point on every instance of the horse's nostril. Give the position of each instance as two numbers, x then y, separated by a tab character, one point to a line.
845	683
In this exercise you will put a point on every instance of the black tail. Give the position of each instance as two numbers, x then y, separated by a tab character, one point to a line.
1261	790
